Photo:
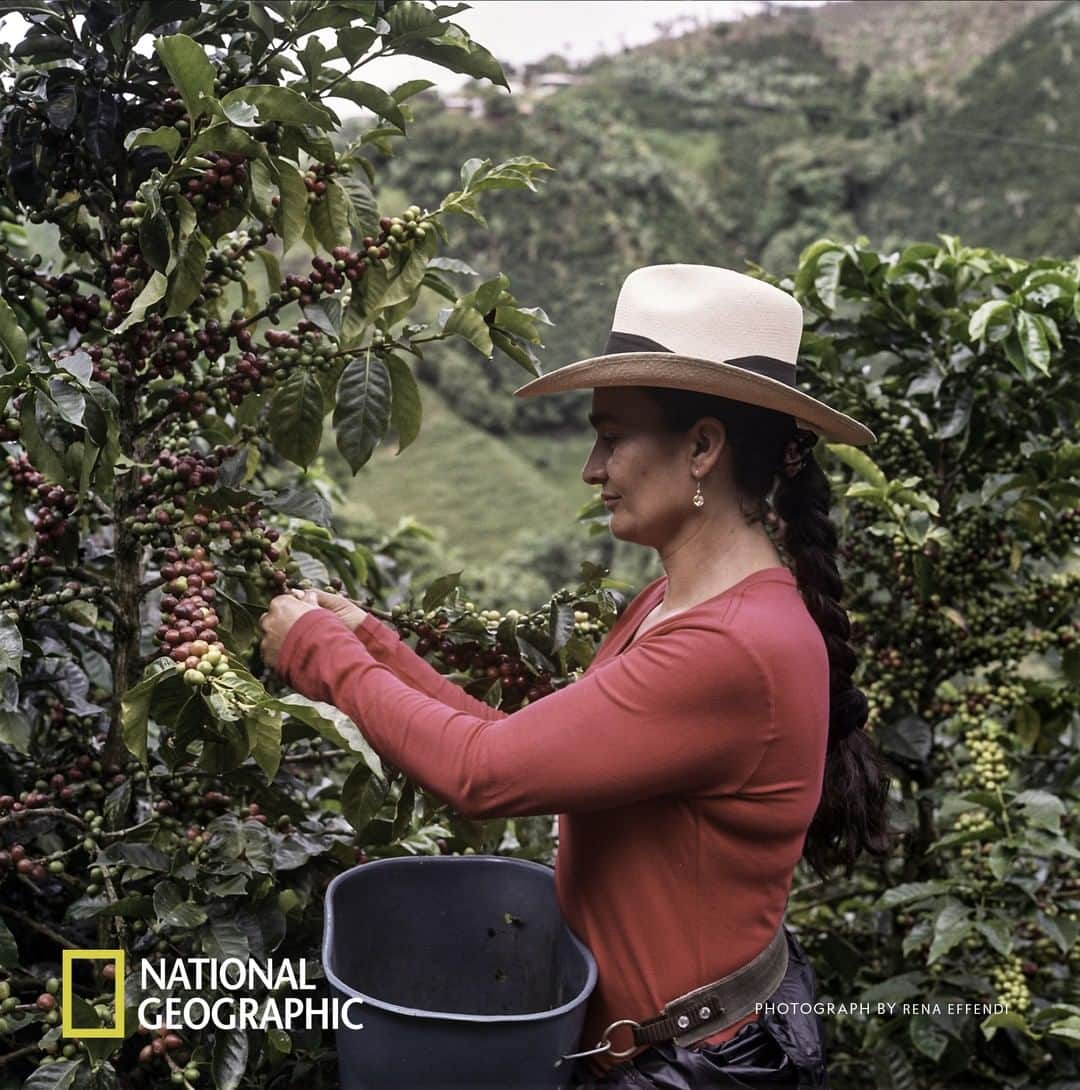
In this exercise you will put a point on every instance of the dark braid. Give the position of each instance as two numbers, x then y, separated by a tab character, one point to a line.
852	815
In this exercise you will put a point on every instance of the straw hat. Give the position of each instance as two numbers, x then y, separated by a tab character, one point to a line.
698	327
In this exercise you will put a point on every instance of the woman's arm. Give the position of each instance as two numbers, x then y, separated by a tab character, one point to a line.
387	647
679	712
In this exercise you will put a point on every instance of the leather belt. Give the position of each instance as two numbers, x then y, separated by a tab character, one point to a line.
707	1010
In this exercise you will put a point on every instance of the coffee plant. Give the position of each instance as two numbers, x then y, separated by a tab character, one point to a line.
959	530
217	277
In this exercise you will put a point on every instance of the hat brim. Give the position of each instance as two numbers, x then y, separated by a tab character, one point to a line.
706	376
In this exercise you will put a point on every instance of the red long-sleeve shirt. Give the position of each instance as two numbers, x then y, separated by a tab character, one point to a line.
685	770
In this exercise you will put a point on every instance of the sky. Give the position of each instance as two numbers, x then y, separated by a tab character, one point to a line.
520	31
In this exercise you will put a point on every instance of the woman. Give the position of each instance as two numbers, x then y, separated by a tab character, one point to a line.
716	737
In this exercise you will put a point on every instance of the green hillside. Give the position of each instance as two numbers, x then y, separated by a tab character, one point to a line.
747	142
1000	168
499	489
737	144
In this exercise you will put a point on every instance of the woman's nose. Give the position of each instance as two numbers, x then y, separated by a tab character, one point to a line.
593	471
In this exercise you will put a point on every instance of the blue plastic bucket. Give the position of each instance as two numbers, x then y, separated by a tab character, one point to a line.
468	973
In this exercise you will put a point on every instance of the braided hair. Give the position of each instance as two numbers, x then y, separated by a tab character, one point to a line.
772	458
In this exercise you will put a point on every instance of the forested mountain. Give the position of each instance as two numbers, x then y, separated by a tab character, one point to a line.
735	145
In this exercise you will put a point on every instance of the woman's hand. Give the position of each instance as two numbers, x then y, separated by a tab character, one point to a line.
344	607
280	616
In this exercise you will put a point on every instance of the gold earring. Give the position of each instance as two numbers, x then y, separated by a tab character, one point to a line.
699	499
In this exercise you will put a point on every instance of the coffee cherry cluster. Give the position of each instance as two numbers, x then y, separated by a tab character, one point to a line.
326	276
214	338
52	518
901	454
972	821
10	424
21	275
235	69
47	1002
79	312
250	543
315	179
201	391
1057	535
219	183
18	859
308	349
188	632
979	696
227	266
1011	985
224	267
164	491
126	355
62	165
128	274
85	770
195	839
584	623
176	352
255	548
22	474
16	571
172	107
167	1048
84	777
252	372
8	1004
197	810
178	472
397	233
491	664
989	757
70	590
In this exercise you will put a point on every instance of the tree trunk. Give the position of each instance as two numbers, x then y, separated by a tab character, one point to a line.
127	576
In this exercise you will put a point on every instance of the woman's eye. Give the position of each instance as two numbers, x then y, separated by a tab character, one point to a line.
608	438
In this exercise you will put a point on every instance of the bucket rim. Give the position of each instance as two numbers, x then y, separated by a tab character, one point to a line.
453	1016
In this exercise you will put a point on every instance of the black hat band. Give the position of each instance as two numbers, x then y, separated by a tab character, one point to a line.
766	366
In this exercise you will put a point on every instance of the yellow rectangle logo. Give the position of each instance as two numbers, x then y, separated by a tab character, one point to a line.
70	956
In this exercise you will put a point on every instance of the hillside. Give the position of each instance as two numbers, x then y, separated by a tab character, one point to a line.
936	49
494	482
1000	168
748	141
739	143
504	511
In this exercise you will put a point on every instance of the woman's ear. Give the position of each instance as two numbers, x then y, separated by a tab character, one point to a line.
709	438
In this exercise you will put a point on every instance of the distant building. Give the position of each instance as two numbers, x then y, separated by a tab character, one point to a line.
547	82
523	93
473	105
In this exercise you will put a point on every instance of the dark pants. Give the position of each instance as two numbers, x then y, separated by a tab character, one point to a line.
776	1051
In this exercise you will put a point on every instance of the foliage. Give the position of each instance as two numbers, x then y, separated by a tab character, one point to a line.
224	280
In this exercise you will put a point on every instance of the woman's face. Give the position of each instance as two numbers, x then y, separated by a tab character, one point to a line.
643	470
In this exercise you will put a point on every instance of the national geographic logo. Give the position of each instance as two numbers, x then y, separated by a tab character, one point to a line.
160	1008
68	1028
